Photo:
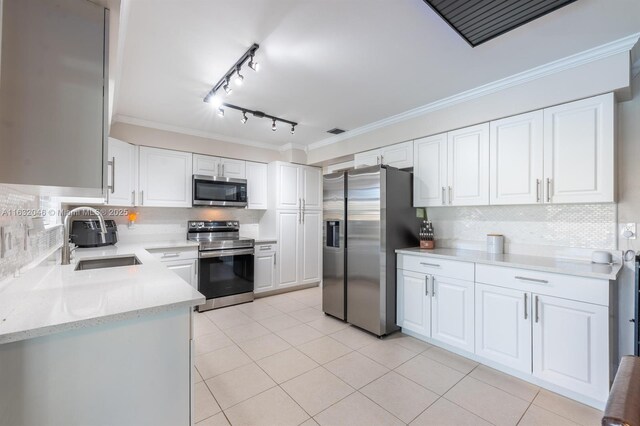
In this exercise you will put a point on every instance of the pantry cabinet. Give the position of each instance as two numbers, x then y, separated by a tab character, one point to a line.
165	178
289	234
399	156
503	326
121	173
516	155
561	154
296	186
311	256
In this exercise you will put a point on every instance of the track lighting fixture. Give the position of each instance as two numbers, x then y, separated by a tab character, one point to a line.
258	114
224	82
253	64
239	77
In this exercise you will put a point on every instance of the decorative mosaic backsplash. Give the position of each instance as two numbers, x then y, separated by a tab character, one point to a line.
29	241
581	226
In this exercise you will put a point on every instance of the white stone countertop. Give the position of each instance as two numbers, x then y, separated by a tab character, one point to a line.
537	263
51	298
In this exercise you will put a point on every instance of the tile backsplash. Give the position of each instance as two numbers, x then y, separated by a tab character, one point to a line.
531	229
26	236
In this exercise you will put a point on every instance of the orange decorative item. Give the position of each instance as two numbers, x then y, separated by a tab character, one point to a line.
132	219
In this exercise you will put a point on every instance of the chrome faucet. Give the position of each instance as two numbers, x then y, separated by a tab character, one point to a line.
66	250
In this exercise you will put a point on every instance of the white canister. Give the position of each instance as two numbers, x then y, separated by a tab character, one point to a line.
495	243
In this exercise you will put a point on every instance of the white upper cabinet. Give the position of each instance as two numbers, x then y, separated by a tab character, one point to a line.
468	166
287	180
215	166
165	177
257	185
311	188
430	171
516	151
579	151
206	165
399	156
232	168
121	176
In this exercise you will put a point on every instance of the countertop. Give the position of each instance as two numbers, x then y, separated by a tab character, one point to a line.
538	263
51	298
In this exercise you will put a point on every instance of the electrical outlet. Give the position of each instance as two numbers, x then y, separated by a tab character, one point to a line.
628	231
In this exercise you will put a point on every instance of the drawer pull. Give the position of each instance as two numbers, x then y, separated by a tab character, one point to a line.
165	255
435	265
265	248
535	280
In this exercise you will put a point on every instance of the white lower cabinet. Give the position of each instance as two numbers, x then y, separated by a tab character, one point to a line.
452	312
414	304
503	326
186	269
264	268
437	307
570	345
549	328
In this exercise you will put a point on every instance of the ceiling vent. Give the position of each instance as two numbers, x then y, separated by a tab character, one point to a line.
480	21
335	131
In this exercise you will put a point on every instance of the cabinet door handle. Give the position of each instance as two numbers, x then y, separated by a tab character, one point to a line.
535	280
426	285
548	190
537	309
299	210
304	208
142	197
443	201
525	306
274	259
537	190
113	174
168	255
381	159
133	198
222	169
449	195
435	265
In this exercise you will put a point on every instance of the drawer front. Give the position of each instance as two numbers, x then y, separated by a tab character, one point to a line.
437	266
582	289
265	248
174	253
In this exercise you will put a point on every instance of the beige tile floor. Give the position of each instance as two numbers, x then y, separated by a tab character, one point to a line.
281	361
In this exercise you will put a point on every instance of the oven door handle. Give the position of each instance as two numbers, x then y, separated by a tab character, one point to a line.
222	253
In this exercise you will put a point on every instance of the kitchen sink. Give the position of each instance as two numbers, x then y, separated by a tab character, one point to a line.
107	262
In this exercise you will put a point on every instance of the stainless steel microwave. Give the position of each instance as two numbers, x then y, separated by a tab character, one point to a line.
219	191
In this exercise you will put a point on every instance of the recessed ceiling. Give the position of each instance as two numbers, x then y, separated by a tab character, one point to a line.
327	63
478	21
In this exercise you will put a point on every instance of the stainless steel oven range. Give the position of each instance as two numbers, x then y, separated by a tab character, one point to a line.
225	263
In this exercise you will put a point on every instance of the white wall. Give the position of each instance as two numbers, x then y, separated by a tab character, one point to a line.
600	76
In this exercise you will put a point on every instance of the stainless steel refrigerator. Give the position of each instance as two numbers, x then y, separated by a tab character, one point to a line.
368	214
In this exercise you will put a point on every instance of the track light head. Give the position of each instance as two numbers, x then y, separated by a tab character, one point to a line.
239	78
253	64
273	125
293	129
221	112
244	117
227	88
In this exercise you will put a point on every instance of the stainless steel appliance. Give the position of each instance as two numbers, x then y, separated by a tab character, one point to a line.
87	233
368	214
219	191
225	263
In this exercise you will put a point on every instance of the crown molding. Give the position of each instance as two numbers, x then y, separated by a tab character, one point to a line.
289	146
120	118
600	52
